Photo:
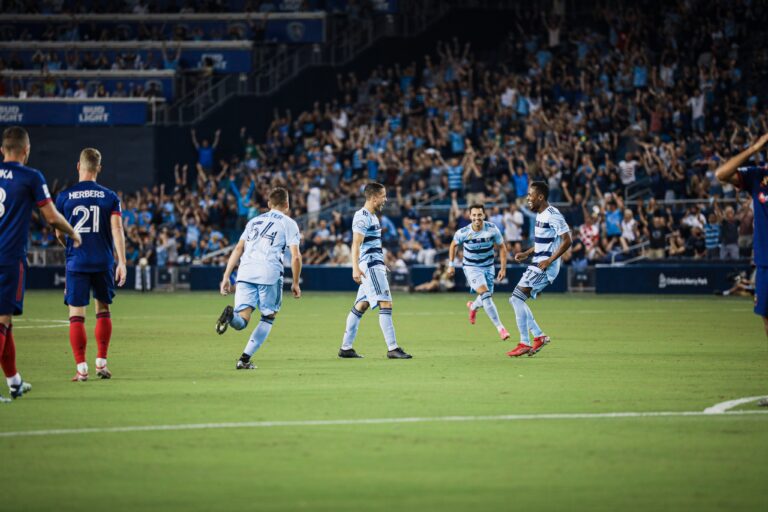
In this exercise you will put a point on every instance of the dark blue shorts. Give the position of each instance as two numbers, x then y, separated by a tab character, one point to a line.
12	286
79	286
761	291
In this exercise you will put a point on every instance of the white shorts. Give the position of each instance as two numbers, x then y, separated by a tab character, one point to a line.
479	276
535	279
266	298
375	287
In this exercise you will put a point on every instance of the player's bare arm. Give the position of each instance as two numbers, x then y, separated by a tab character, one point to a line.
357	242
295	270
451	256
726	173
57	220
225	288
564	246
118	235
522	256
503	254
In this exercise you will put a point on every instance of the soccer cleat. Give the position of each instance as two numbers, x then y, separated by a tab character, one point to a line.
4	400
763	402
398	353
80	377
519	350
538	344
19	390
504	334
244	365
103	372
223	322
472	313
349	353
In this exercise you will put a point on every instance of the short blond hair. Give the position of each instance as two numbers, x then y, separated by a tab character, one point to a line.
90	158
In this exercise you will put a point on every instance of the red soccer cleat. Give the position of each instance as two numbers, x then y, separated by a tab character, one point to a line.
538	344
472	313
519	350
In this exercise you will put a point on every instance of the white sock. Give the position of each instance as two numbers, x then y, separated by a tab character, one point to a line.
353	322
518	303
13	381
387	327
477	304
101	362
82	368
491	311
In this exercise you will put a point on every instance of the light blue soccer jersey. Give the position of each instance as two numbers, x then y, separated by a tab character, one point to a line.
266	238
478	245
550	226
368	225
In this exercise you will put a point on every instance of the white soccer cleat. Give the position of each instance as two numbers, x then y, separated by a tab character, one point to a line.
103	372
80	377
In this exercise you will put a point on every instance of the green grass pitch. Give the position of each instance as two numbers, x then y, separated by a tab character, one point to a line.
608	354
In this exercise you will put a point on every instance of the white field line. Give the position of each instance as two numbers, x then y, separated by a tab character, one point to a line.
723	407
370	421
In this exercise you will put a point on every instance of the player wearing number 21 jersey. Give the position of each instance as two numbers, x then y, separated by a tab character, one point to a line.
95	213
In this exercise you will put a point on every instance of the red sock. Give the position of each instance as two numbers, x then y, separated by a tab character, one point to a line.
103	333
8	357
77	337
3	337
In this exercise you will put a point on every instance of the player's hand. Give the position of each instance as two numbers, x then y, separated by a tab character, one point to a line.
521	257
451	271
296	289
120	274
502	274
76	240
357	276
544	264
225	287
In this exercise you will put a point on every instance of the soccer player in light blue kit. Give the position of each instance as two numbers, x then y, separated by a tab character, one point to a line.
369	271
479	240
552	237
260	276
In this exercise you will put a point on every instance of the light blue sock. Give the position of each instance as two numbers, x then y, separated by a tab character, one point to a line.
478	304
490	309
387	327
517	300
353	322
238	323
258	336
532	325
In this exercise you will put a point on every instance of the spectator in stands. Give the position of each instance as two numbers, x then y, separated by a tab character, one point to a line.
205	151
712	237
730	235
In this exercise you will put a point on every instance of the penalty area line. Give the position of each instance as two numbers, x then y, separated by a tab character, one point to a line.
371	421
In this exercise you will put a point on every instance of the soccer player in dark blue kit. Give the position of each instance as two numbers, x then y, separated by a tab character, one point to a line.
753	178
21	189
95	212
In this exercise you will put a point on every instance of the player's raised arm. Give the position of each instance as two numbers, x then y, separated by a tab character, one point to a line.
57	220
296	270
118	235
726	173
234	259
357	242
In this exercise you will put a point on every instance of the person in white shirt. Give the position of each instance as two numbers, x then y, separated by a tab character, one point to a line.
513	228
260	276
627	169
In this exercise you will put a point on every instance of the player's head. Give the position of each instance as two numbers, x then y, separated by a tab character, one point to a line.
477	215
16	145
90	161
375	196
278	199
538	191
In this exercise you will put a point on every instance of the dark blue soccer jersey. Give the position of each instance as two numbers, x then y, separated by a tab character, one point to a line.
89	208
21	188
754	179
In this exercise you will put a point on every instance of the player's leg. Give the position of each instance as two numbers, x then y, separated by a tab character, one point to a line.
12	287
103	284
761	295
476	304
77	297
486	294
238	316
353	323
378	287
270	298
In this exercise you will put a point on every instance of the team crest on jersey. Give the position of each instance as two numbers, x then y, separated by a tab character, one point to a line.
762	197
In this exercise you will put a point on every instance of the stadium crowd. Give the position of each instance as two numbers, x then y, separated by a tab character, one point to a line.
627	130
